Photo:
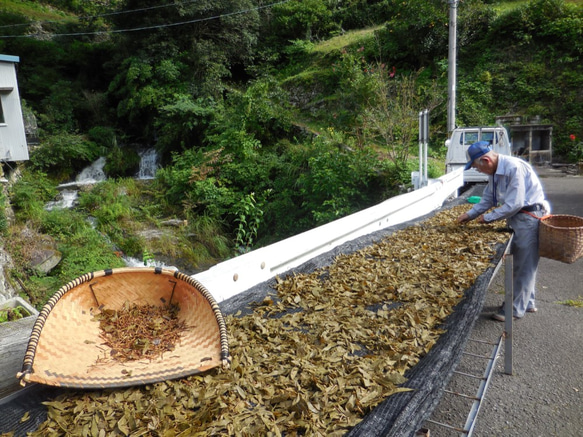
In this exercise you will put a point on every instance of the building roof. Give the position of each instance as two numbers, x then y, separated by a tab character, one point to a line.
9	58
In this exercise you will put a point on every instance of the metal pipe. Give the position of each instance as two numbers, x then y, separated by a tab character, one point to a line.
419	179
476	355
474	398
425	142
445	425
509	312
468	375
452	61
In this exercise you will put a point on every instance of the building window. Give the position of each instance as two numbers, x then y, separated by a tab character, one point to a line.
2	121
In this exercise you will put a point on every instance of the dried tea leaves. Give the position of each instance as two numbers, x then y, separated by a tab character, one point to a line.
316	356
140	331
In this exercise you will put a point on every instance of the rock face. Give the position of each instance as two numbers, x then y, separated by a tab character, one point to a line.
45	258
41	255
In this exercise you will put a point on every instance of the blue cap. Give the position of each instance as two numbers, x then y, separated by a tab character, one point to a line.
476	151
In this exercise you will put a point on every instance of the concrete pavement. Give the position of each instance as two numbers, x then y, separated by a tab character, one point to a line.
544	395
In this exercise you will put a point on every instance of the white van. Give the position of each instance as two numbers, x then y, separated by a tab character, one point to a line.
463	137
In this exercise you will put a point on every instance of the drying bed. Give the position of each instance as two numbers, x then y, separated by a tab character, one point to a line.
358	341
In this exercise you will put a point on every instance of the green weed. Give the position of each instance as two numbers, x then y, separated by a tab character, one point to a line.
578	303
10	314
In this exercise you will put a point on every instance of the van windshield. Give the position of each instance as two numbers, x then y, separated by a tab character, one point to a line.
469	138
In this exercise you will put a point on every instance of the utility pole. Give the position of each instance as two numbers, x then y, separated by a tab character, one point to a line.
452	61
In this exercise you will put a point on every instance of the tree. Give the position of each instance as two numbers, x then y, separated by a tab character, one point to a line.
391	118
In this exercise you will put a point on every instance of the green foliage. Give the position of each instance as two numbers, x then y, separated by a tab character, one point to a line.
182	122
39	289
63	154
192	183
32	10
82	7
85	251
147	257
390	120
11	314
141	87
531	56
577	303
417	32
476	100
268	102
211	242
121	162
63	223
538	23
59	108
248	119
103	136
353	78
307	19
132	86
356	14
249	218
298	52
29	194
108	202
337	178
112	204
207	50
575	150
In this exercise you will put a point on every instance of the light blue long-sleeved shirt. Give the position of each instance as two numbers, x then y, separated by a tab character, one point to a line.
517	186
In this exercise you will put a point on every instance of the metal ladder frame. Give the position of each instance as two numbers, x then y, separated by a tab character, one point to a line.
506	336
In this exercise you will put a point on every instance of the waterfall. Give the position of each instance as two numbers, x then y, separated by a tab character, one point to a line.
135	262
66	199
93	173
148	164
69	192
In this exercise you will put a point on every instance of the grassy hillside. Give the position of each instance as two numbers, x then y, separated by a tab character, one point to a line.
36	11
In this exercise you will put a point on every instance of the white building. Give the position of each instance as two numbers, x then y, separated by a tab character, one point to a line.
13	145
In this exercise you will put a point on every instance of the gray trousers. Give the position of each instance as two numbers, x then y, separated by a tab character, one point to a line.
526	258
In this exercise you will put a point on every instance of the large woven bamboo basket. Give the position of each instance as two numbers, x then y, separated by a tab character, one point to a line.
65	348
561	237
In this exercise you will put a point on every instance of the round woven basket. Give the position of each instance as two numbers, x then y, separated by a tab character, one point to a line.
561	237
66	348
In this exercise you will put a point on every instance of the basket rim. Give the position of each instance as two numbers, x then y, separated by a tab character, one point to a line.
546	221
28	362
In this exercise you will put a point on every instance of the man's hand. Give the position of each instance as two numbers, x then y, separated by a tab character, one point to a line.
463	218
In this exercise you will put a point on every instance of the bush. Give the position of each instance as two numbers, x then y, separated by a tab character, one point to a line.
121	162
85	251
337	181
63	155
29	194
113	205
192	184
